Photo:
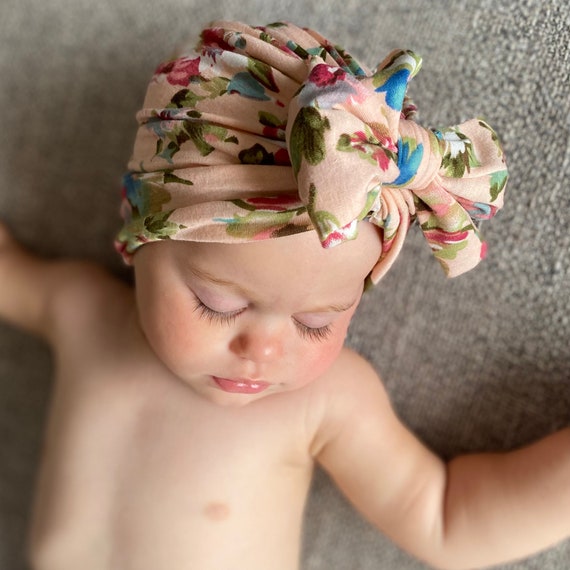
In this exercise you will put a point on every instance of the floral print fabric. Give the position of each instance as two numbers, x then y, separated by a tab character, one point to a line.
264	132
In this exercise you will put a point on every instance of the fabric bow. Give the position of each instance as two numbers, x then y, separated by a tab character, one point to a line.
357	154
263	132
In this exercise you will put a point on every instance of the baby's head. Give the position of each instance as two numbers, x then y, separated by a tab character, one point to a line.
238	322
267	144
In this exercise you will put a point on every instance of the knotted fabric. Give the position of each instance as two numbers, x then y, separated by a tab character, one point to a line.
264	132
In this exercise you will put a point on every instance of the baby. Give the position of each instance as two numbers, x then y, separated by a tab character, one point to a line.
189	412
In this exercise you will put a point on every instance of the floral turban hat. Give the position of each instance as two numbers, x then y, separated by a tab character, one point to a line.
268	131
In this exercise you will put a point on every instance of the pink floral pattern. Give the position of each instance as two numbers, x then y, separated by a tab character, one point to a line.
268	131
180	71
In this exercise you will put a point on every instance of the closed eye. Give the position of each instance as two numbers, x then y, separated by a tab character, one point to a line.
226	317
317	334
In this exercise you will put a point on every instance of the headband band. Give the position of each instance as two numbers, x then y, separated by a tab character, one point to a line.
265	132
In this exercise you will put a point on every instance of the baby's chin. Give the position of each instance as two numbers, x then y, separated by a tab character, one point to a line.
227	399
224	400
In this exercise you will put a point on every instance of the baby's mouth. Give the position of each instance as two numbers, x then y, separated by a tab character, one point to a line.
240	385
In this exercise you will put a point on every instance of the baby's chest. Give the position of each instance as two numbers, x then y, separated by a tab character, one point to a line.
207	469
130	484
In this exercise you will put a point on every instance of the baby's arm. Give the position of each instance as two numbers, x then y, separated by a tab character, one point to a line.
23	292
478	510
38	295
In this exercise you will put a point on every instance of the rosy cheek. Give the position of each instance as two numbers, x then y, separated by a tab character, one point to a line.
323	356
169	333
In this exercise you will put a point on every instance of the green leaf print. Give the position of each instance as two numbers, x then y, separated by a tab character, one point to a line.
298	50
158	226
498	183
371	197
451	250
168	151
459	156
326	222
188	98
196	133
262	73
183	99
345	143
371	147
149	197
494	137
215	87
258	222
269	120
256	154
307	138
349	62
169	176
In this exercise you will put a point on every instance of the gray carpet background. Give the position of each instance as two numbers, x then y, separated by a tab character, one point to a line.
477	363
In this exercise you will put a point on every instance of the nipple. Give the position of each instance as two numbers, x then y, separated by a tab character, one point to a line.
216	511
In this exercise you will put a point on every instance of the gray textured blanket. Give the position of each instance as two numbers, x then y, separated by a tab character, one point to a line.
477	363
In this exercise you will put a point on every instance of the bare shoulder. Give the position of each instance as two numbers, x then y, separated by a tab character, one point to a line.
350	390
47	297
350	380
87	298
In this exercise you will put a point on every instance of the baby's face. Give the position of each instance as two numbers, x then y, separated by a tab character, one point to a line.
239	322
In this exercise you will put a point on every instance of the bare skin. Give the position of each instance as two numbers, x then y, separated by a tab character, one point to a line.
182	439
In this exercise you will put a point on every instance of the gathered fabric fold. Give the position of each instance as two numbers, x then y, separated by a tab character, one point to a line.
264	132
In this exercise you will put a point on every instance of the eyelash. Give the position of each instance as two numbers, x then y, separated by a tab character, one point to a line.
216	316
318	334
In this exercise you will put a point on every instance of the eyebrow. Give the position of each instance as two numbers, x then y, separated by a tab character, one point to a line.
205	276
333	308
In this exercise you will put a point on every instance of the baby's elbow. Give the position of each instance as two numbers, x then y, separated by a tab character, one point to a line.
440	551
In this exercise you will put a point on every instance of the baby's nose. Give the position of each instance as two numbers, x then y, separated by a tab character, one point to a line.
258	345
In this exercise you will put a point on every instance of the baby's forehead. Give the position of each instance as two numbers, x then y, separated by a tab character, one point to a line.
299	256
